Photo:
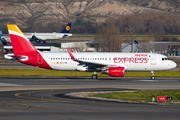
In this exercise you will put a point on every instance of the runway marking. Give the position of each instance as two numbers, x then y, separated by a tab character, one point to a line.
43	99
149	80
157	80
9	84
25	106
61	108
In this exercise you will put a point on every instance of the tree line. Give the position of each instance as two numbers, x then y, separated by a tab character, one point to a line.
113	32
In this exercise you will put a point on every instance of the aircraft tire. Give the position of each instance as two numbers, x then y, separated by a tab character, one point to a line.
94	76
152	78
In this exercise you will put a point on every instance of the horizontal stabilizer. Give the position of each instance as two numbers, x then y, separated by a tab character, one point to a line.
14	58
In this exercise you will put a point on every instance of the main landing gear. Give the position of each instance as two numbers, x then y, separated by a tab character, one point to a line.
152	75
94	76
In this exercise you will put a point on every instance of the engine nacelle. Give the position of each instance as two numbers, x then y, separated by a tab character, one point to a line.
115	71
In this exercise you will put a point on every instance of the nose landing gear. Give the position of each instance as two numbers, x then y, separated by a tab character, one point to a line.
152	75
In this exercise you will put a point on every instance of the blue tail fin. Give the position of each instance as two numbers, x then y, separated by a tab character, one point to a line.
1	35
67	28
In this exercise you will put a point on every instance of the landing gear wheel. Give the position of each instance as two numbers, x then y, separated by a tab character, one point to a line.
152	78
94	76
152	75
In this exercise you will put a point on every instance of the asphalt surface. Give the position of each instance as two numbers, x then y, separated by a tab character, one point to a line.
49	100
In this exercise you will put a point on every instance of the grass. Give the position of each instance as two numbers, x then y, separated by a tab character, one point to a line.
137	96
52	73
41	72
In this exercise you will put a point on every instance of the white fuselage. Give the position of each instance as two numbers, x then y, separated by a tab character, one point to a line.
47	36
43	36
130	61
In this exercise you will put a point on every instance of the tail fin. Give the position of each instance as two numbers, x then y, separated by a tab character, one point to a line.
67	28
19	42
1	35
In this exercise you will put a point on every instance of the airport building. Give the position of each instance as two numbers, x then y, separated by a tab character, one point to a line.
77	46
167	48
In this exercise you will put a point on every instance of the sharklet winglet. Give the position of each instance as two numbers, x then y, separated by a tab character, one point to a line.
71	55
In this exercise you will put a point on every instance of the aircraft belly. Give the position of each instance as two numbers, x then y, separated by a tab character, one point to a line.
139	67
63	65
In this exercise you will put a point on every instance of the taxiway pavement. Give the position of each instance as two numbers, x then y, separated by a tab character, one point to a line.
51	104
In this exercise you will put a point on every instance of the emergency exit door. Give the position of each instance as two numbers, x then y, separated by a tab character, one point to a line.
153	59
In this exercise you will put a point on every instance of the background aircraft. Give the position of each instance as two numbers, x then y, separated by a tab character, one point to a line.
39	37
114	64
3	38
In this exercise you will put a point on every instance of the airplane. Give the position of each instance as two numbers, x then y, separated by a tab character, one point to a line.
39	37
114	64
3	38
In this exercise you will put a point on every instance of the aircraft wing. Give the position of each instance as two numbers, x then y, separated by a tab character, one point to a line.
90	65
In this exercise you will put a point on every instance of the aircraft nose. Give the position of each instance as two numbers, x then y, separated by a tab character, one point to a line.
173	64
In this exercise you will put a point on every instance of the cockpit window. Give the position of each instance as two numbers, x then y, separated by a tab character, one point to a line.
165	59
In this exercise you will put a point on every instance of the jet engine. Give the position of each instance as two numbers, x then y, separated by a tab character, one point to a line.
114	71
34	38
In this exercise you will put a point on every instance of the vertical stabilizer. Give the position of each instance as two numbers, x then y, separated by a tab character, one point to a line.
1	35
19	42
67	28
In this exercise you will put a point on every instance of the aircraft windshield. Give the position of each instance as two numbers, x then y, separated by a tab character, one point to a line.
165	59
